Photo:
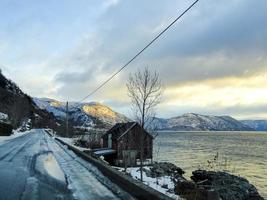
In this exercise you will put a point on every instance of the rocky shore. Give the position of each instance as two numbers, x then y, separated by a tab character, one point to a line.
204	185
216	185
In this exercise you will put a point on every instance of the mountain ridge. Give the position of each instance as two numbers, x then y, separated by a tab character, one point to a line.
83	115
96	115
258	125
47	112
199	122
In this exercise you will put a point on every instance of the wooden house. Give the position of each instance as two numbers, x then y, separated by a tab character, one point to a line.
125	139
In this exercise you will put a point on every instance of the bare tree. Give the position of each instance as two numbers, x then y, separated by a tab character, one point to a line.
145	90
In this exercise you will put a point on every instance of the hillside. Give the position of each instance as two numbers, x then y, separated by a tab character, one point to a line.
258	125
197	122
19	108
82	115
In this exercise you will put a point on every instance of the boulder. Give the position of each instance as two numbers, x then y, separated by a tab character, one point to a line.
191	191
159	169
211	185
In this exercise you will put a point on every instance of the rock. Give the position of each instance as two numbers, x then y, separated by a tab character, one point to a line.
147	171
5	129
191	191
184	186
165	169
165	186
228	187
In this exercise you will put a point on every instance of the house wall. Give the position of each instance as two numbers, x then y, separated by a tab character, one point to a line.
132	141
105	141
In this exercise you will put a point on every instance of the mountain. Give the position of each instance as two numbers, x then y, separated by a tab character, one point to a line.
258	125
197	122
19	108
23	111
82	115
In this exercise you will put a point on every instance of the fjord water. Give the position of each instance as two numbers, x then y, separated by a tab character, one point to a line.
240	153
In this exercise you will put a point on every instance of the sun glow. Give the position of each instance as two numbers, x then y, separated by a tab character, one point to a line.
224	92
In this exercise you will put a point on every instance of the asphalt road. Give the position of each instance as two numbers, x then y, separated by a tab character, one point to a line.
35	166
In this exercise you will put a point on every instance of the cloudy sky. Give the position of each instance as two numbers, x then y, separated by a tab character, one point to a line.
212	62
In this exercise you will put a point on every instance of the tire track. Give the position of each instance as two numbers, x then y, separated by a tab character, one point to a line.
18	148
21	148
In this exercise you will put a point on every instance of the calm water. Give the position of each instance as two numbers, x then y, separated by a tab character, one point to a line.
241	153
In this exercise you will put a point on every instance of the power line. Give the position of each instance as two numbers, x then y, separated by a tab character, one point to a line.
141	51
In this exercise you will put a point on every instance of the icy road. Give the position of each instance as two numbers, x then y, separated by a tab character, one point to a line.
35	166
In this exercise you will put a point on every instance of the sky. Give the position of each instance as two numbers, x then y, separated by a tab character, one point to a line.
213	61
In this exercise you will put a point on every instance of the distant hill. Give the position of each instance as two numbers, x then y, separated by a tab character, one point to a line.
258	125
82	115
197	122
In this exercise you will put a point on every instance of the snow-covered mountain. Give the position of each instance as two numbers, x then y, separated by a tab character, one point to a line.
197	122
21	108
84	115
258	125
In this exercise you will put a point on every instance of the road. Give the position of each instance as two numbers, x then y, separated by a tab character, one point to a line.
35	166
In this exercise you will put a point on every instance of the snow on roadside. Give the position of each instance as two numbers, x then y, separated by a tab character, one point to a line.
162	184
84	179
71	142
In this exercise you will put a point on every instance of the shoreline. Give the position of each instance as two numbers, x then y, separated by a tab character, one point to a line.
172	131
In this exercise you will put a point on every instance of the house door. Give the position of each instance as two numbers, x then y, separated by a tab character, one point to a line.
109	141
129	157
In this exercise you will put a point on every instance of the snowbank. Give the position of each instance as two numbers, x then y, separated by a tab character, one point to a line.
71	142
162	184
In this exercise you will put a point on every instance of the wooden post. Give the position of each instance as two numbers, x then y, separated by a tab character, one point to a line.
67	119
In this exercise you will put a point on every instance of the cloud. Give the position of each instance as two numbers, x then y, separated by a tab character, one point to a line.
219	26
110	3
205	60
232	95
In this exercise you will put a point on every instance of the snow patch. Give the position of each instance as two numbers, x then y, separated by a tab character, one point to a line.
3	116
47	164
53	169
71	142
162	184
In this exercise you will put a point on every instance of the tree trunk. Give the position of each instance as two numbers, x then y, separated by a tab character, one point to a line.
142	143
141	154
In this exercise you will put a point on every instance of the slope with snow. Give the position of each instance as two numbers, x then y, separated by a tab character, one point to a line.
20	108
86	115
258	125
